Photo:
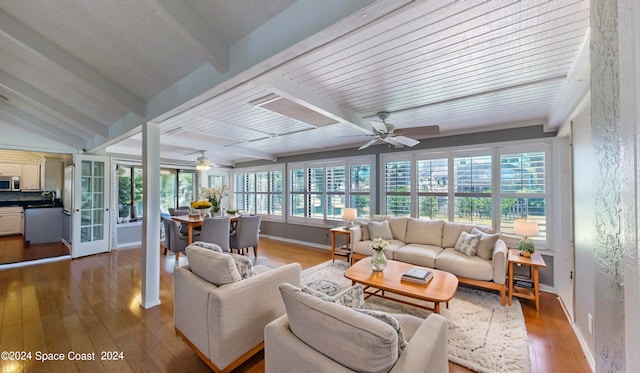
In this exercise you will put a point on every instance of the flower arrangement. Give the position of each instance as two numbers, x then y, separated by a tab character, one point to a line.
214	195
379	244
200	204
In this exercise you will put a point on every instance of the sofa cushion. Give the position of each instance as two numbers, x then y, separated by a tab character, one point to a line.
398	227
425	232
364	229
380	229
352	297
422	255
393	322
213	266
487	242
330	329
471	267
364	248
468	243
451	232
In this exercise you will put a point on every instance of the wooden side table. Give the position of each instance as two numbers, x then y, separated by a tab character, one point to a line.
343	250
534	263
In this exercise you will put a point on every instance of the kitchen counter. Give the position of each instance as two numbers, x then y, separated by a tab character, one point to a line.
31	203
43	224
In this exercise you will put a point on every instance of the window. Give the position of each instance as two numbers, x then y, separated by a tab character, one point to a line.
472	189
523	190
397	186
129	193
259	191
168	190
320	191
433	188
187	187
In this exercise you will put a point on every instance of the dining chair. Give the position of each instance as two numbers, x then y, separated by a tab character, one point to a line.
173	239
216	230
246	234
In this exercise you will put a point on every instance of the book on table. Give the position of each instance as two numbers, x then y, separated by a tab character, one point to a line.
417	275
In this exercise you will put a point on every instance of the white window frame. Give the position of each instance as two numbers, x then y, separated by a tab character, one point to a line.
254	170
326	163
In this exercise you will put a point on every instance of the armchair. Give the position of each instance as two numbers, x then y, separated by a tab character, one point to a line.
224	324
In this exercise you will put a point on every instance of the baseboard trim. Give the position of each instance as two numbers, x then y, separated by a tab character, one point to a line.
581	340
128	244
304	243
34	262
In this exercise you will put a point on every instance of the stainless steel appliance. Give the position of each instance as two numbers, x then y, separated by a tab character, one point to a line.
9	183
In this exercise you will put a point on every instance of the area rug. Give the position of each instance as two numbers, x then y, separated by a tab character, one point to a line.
483	335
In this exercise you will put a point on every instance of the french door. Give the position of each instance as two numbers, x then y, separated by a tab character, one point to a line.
91	222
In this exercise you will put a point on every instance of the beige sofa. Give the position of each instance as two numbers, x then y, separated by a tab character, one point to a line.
320	336
430	243
225	324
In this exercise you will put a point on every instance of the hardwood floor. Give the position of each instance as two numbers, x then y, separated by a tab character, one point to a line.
92	305
13	250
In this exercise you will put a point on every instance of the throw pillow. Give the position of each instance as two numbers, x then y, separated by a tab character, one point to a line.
207	245
380	230
365	231
244	265
487	242
468	243
393	322
217	268
352	297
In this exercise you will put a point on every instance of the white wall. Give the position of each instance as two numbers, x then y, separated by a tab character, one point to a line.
584	222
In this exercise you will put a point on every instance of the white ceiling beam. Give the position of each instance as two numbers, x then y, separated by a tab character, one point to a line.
195	145
24	35
575	88
193	27
127	126
42	127
286	88
269	46
76	119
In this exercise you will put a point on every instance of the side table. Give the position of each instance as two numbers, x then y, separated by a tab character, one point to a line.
534	263
343	250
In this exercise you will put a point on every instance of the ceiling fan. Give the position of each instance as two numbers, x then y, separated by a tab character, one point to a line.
202	162
388	133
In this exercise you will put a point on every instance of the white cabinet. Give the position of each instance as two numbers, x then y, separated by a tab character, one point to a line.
11	220
10	169
30	178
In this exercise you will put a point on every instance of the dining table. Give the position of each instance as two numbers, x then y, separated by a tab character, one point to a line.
194	221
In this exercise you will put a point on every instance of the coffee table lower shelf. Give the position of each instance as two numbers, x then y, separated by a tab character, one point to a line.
440	289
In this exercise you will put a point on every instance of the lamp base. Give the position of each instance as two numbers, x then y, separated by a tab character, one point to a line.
350	225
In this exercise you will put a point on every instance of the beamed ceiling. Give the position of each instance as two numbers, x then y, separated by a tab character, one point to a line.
86	74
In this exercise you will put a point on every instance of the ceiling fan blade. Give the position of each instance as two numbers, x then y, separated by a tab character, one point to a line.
368	144
420	131
379	126
405	141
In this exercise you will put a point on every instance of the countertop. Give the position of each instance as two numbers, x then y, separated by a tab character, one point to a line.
32	203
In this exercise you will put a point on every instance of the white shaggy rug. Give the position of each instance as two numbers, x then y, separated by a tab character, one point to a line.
483	335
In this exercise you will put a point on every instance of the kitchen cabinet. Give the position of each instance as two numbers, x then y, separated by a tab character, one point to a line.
30	178
10	169
11	220
42	225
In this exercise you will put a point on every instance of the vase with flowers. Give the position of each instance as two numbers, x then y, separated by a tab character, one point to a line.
202	207
378	260
214	196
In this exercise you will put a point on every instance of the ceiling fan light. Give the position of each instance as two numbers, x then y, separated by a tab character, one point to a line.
202	167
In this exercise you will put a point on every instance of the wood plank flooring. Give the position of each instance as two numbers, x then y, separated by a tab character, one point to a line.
92	304
13	250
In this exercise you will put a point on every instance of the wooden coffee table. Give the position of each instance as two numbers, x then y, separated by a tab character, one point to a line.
440	289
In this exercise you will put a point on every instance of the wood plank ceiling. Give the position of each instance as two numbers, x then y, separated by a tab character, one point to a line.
465	66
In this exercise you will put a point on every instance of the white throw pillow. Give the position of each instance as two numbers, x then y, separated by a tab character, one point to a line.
468	243
393	322
487	242
352	297
215	267
380	230
244	265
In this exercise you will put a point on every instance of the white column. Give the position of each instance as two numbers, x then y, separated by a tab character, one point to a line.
150	287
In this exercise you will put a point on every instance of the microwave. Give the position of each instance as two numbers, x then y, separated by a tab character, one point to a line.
9	183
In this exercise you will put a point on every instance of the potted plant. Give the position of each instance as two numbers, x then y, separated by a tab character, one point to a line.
526	248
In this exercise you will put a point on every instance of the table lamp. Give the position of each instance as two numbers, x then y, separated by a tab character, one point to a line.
526	228
349	214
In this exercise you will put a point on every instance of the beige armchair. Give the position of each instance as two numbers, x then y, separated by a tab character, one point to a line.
225	324
321	336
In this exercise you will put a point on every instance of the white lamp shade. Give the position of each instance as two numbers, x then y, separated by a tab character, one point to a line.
202	167
349	214
526	228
